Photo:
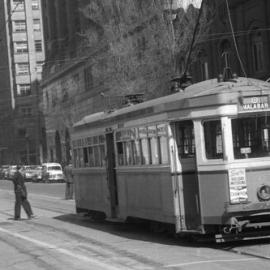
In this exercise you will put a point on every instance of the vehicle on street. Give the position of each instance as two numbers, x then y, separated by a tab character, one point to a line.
11	172
32	172
4	171
37	174
197	160
52	172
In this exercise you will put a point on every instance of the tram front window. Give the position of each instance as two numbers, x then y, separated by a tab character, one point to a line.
251	137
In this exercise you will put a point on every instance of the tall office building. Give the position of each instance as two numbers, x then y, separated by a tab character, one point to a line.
22	57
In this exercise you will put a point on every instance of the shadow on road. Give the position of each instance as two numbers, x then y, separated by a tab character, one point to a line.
144	232
133	230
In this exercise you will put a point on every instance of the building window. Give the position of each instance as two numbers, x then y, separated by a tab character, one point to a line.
26	111
18	5
21	132
35	5
88	78
22	68
20	47
19	26
257	52
36	25
39	66
23	89
38	45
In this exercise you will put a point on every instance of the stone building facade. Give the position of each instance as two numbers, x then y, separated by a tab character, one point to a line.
96	53
250	20
22	56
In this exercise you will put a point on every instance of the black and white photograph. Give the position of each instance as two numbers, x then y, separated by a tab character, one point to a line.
134	134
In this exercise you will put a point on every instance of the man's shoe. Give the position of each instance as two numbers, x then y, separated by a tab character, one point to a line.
17	218
32	216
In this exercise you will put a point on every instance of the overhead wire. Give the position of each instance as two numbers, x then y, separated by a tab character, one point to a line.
234	39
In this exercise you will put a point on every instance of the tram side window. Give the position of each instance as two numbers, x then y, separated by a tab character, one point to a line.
128	153
91	152
76	158
185	139
154	151
120	153
81	160
144	145
91	156
136	152
163	150
102	155
213	139
97	156
85	157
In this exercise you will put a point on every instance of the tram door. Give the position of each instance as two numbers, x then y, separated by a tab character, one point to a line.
111	174
185	175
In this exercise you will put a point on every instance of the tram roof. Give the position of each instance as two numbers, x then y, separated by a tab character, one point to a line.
202	94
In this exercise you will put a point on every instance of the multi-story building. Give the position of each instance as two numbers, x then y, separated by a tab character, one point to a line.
23	53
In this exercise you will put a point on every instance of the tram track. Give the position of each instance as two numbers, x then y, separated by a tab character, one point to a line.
87	245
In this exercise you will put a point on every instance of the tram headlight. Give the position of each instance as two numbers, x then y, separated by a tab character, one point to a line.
263	193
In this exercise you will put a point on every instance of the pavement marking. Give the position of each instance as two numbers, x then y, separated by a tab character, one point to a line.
210	261
61	250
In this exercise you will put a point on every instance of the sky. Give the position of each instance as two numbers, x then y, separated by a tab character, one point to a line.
186	3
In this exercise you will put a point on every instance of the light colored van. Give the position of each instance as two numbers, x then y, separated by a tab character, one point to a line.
52	172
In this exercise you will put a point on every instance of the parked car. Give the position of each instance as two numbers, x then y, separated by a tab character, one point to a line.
31	172
11	171
3	171
37	174
52	172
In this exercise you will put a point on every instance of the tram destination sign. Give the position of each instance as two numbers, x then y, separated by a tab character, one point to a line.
254	103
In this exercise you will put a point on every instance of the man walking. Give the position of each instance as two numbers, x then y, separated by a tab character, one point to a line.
69	182
21	196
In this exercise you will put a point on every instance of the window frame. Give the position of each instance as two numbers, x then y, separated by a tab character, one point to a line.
38	45
19	26
24	89
143	144
22	71
252	142
182	141
82	148
37	25
20	47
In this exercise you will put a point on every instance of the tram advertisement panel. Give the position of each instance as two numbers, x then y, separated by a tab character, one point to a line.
238	186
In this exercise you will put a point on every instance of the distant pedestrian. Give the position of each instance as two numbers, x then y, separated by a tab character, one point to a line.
69	182
21	196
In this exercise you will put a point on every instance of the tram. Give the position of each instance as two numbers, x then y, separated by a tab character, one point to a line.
197	160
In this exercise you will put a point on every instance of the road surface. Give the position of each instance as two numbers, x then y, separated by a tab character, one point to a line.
60	239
